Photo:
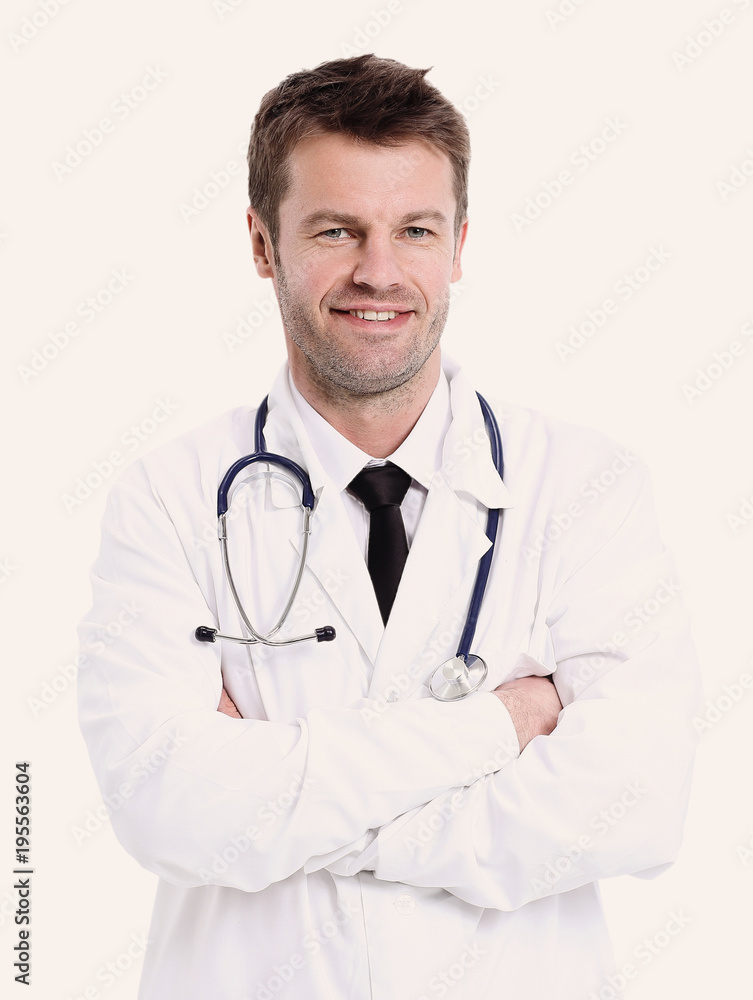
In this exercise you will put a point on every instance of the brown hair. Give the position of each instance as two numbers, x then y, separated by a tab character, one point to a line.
371	99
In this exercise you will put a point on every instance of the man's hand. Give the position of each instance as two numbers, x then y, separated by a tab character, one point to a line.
227	706
533	704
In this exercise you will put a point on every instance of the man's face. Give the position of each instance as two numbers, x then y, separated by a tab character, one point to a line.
365	256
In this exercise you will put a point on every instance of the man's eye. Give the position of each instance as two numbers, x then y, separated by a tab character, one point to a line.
416	232
335	234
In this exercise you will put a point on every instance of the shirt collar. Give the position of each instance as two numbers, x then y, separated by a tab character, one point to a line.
449	449
420	455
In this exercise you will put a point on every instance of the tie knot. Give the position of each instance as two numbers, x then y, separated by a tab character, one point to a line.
381	486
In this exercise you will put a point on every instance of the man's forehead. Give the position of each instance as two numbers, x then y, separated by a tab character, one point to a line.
341	172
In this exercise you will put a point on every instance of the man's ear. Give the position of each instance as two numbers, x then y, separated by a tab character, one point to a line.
457	271
261	245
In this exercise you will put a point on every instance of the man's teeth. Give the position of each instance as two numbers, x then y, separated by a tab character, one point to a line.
370	314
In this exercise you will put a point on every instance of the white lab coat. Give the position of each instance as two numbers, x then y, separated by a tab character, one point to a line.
352	837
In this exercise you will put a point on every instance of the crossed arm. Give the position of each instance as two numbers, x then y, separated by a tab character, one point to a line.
533	704
605	793
363	810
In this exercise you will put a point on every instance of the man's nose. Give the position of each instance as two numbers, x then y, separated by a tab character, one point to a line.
378	264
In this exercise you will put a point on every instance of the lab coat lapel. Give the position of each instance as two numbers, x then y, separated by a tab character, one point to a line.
441	562
337	562
449	542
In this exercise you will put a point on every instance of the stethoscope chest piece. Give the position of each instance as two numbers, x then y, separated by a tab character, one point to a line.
457	678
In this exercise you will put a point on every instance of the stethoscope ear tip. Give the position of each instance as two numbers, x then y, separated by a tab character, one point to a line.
205	634
325	634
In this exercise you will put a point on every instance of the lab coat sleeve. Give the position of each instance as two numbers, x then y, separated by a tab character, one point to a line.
197	797
606	793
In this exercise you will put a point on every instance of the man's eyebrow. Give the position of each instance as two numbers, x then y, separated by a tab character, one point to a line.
317	219
425	215
345	219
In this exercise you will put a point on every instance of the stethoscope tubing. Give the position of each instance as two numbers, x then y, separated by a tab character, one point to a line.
492	523
260	454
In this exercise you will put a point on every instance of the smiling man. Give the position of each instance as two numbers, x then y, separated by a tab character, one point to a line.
324	827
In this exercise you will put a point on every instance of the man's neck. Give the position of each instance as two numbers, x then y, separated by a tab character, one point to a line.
377	423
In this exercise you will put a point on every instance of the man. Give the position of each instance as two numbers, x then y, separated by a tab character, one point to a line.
321	826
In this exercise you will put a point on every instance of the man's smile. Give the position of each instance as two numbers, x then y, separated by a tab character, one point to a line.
392	318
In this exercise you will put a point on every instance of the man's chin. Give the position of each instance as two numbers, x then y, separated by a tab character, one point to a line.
371	378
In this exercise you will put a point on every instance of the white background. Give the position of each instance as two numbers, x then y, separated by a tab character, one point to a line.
534	92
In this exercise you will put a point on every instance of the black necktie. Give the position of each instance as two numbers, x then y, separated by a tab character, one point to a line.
381	489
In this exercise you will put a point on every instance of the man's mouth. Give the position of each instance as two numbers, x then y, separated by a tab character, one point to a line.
371	315
374	315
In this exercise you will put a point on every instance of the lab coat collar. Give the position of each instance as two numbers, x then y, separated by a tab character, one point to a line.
467	463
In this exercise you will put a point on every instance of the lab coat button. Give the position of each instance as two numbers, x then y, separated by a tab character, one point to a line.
405	903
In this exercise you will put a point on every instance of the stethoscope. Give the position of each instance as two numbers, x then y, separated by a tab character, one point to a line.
450	681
